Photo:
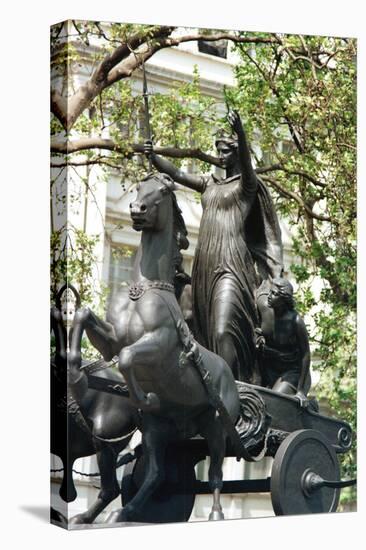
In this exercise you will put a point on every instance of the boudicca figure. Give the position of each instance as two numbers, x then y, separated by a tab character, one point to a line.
282	341
239	245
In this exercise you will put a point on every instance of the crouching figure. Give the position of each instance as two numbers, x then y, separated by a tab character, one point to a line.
282	341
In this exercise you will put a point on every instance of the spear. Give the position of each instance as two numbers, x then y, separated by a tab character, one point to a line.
147	113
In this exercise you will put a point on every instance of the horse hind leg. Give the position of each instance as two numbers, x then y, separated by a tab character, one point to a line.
67	490
214	434
107	459
155	437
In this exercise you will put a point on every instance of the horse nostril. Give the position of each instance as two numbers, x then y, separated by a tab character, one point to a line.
138	208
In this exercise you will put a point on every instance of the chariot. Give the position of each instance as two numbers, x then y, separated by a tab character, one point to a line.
305	473
188	405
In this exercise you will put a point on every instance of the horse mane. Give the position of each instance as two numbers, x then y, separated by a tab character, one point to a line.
179	225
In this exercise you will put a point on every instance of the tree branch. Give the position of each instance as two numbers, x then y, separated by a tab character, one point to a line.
290	125
322	262
84	144
59	107
101	160
62	147
124	51
69	111
291	195
68	147
280	167
124	60
225	36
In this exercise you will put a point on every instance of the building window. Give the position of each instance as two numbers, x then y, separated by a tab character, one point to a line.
217	48
288	147
121	266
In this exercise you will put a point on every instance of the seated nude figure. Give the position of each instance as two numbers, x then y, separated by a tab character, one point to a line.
282	341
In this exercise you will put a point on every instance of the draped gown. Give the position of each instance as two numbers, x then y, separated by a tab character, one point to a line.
232	258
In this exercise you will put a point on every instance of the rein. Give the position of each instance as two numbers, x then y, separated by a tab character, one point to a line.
190	347
98	365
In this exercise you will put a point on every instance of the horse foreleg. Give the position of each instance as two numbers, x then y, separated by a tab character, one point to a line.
60	333
214	434
143	352
155	436
77	380
110	490
103	336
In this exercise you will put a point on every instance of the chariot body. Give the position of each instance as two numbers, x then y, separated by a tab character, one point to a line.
304	445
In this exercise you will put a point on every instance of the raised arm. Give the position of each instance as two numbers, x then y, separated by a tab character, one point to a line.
197	183
249	177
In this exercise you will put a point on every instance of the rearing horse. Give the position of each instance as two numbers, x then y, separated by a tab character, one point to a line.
84	421
157	353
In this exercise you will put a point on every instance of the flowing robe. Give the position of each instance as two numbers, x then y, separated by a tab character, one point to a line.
226	272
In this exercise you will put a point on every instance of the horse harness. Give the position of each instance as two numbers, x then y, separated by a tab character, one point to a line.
191	352
74	409
136	290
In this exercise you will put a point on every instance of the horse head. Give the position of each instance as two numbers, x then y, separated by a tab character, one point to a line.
150	209
156	209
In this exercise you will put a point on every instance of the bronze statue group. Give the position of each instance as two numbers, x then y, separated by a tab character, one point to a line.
182	382
243	309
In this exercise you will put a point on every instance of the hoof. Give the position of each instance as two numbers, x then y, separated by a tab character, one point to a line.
117	516
152	401
216	514
113	517
57	516
78	520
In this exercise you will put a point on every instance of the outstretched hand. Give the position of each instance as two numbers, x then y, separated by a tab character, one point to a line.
301	397
235	121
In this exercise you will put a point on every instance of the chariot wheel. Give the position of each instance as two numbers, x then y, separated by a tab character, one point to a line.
304	469
173	501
